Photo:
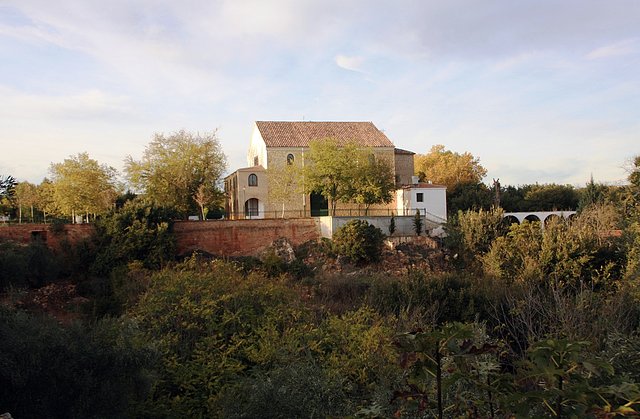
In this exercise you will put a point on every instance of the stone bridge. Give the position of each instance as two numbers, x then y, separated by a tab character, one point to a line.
541	216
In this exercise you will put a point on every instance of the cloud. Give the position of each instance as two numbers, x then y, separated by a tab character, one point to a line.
617	49
85	104
353	63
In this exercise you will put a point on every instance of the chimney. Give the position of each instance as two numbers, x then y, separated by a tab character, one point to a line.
415	180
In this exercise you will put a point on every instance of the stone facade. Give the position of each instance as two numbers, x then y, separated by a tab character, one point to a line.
277	148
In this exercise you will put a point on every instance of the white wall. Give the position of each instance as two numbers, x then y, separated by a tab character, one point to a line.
257	147
404	224
434	201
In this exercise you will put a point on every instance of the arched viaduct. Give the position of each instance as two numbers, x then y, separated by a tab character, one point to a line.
541	216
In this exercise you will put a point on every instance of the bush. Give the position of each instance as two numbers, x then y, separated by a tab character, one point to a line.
359	241
32	265
71	372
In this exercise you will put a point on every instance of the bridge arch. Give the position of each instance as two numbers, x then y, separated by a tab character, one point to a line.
540	216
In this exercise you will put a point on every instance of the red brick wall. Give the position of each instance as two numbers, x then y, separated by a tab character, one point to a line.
241	237
23	233
222	237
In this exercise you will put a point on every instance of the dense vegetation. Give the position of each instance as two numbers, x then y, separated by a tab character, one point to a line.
503	321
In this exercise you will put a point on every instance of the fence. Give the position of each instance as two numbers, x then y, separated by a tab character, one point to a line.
340	212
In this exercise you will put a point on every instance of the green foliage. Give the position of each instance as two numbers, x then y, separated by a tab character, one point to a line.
7	186
74	371
327	171
345	173
549	197
392	225
417	223
225	325
297	390
469	196
174	168
139	231
372	182
567	252
434	298
82	185
359	241
438	361
448	168
471	233
27	265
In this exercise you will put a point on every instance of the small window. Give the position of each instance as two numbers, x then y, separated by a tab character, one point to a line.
419	197
253	179
290	159
255	161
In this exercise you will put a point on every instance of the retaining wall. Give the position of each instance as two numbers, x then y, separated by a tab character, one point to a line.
54	238
241	237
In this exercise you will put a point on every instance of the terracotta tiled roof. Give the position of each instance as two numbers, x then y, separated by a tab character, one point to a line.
299	134
423	186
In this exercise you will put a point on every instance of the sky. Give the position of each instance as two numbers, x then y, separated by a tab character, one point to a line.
540	91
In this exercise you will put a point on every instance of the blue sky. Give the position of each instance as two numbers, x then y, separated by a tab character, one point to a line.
540	91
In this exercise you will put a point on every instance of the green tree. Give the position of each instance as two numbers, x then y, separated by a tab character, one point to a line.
372	182
173	167
448	168
469	196
26	196
551	197
329	170
285	182
82	185
359	241
46	199
7	192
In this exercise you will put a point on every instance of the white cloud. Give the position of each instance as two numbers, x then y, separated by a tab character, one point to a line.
617	49
85	104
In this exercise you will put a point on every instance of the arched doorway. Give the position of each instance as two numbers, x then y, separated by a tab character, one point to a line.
319	205
251	208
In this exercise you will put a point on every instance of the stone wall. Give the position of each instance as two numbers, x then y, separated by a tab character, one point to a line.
242	237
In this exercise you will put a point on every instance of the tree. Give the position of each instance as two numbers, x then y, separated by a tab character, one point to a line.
285	181
329	170
468	196
173	167
348	174
448	168
373	182
26	196
82	184
46	201
7	186
7	191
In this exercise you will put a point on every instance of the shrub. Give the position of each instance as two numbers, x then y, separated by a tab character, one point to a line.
417	223
359	241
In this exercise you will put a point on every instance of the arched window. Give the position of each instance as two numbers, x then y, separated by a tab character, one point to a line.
253	179
251	208
290	159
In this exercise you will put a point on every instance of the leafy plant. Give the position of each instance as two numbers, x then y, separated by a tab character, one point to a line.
359	241
417	223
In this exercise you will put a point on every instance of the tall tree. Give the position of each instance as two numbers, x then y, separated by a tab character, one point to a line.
26	196
373	182
46	201
7	191
448	168
173	168
329	170
82	185
285	182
